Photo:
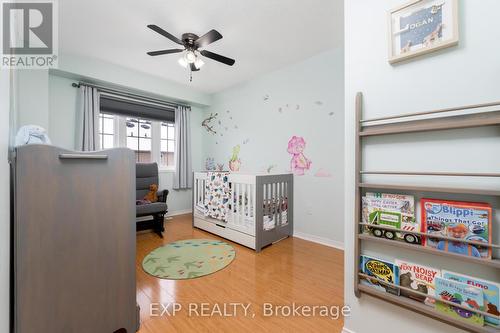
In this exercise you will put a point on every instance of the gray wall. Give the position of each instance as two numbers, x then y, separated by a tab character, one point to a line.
467	74
263	114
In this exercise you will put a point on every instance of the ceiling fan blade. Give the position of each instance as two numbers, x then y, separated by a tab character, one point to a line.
218	57
155	53
208	38
164	33
193	68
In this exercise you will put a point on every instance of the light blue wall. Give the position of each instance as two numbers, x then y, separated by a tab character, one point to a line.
463	75
268	111
5	89
58	101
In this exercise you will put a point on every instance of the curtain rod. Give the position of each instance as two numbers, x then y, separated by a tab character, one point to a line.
128	94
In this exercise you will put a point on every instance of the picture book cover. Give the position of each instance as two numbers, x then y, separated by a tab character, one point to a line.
460	293
419	278
461	220
491	292
382	270
390	210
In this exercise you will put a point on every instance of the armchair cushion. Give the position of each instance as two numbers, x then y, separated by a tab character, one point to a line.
152	208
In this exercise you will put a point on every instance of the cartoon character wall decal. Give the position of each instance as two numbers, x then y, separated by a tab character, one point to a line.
299	163
235	162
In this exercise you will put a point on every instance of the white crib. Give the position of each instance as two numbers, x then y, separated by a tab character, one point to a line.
261	208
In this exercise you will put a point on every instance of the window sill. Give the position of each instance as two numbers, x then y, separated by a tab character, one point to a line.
165	170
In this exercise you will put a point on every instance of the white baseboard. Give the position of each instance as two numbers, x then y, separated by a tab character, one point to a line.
319	240
346	330
180	212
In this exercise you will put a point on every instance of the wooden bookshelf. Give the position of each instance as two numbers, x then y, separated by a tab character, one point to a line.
425	310
495	263
444	119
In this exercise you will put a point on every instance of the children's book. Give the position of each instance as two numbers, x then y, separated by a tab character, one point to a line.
390	210
461	220
490	293
419	278
463	294
383	270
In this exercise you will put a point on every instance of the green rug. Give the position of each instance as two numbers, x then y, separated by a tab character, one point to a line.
188	259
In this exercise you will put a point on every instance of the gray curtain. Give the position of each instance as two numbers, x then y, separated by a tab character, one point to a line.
88	119
183	177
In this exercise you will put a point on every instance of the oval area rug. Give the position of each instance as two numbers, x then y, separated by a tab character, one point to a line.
188	259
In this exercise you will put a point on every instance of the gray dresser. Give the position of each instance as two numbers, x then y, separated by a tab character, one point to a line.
74	241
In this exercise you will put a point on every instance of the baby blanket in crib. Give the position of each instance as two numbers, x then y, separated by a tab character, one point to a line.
217	195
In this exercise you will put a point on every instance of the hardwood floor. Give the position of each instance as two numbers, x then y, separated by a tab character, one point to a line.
292	270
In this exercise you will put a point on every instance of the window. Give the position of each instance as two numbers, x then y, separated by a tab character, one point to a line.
167	144
152	141
139	138
106	130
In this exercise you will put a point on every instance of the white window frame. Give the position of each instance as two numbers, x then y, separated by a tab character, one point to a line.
120	140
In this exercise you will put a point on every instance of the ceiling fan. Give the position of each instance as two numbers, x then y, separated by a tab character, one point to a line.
192	45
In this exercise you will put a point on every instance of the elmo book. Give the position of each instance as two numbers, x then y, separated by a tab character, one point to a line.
490	293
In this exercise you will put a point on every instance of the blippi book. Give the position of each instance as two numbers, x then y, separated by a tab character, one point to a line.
468	221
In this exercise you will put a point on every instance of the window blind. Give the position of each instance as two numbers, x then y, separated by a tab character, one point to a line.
135	108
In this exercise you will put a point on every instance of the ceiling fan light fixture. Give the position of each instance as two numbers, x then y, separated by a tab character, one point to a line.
183	62
190	57
198	63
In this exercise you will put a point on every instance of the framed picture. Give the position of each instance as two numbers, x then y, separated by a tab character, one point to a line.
421	27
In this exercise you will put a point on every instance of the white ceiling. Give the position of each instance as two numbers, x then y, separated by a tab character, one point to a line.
262	35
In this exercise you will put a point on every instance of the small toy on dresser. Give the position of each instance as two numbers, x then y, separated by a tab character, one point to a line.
469	221
418	278
382	270
390	211
463	294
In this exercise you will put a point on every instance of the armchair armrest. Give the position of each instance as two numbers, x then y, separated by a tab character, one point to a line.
162	195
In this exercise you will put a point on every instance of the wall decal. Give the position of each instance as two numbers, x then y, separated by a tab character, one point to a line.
297	107
323	173
220	167
270	168
266	97
280	109
235	126
235	162
318	103
227	111
246	141
219	122
206	123
210	164
331	113
299	162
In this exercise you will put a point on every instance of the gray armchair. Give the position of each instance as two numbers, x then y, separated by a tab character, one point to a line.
146	175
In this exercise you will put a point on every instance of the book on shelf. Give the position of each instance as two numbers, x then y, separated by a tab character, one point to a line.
468	221
491	295
381	269
462	294
419	278
390	210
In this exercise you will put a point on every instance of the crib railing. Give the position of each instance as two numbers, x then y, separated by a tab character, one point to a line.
275	193
242	199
